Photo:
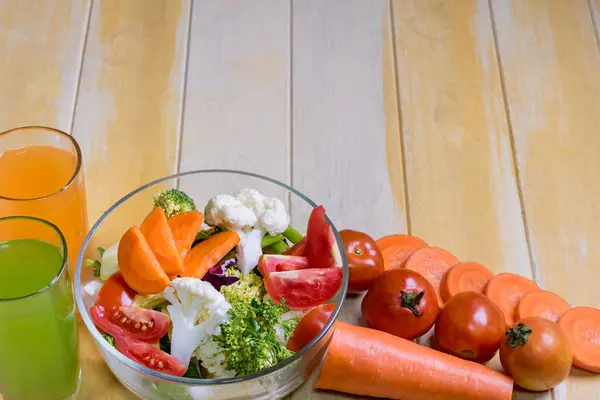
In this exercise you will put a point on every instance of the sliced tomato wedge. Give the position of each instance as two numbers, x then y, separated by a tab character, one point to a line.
133	322
268	263
304	288
321	247
115	293
310	326
149	356
297	249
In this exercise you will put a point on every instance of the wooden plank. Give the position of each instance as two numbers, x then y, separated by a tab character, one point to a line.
346	141
127	122
551	68
39	77
237	94
462	188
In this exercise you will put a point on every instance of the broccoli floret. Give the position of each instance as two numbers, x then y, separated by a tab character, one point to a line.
249	287
174	201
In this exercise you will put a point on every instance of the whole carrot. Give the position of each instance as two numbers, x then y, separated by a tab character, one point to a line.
367	362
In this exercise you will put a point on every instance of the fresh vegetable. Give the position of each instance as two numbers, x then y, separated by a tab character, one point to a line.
310	326
321	246
217	275
542	304
155	229
248	287
174	201
402	302
197	310
278	248
207	253
109	339
115	293
464	277
432	263
536	353
298	249
95	265
582	327
506	290
396	249
304	288
365	262
292	235
152	301
470	326
138	265
109	263
249	339
367	362
184	227
276	263
133	322
149	356
249	214
269	240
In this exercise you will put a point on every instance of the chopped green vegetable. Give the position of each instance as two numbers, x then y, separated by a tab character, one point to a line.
249	287
109	339
279	247
249	338
269	240
288	326
101	250
174	201
150	300
292	235
193	370
95	265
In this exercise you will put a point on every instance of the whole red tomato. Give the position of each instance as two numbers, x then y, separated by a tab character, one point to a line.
401	302
364	260
536	353
310	326
470	326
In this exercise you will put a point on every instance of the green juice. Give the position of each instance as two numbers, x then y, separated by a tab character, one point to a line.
38	333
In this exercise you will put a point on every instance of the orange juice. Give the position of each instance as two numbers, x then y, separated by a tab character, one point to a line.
45	182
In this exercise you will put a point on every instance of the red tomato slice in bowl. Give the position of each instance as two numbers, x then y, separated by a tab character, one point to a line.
268	263
297	249
321	247
133	322
304	288
149	356
115	293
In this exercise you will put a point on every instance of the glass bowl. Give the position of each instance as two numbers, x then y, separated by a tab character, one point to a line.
272	383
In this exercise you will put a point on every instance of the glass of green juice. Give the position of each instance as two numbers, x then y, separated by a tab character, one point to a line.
39	357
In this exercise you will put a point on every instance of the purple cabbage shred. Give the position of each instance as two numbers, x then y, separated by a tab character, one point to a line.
216	275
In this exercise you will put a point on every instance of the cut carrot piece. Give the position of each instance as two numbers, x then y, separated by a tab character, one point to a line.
468	276
582	326
432	263
155	229
207	253
506	290
138	264
367	362
541	304
396	249
184	227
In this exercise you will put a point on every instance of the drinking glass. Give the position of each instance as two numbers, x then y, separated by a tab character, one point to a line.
38	328
41	175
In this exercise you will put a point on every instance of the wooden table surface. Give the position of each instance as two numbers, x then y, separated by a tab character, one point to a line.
473	124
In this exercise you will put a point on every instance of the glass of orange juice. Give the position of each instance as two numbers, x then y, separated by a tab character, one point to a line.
41	175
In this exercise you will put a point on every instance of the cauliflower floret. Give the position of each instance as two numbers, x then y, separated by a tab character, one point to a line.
212	358
249	214
197	311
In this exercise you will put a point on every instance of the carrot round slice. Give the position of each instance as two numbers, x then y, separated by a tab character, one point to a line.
432	263
506	290
138	264
582	326
397	248
543	304
155	229
464	277
207	253
184	227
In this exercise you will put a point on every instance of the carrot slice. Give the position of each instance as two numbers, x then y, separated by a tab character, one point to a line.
464	277
155	229
138	264
432	263
541	304
582	326
184	227
506	290
207	253
367	362
396	249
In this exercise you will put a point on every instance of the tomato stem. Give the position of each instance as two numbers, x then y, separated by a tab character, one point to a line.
518	336
411	300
